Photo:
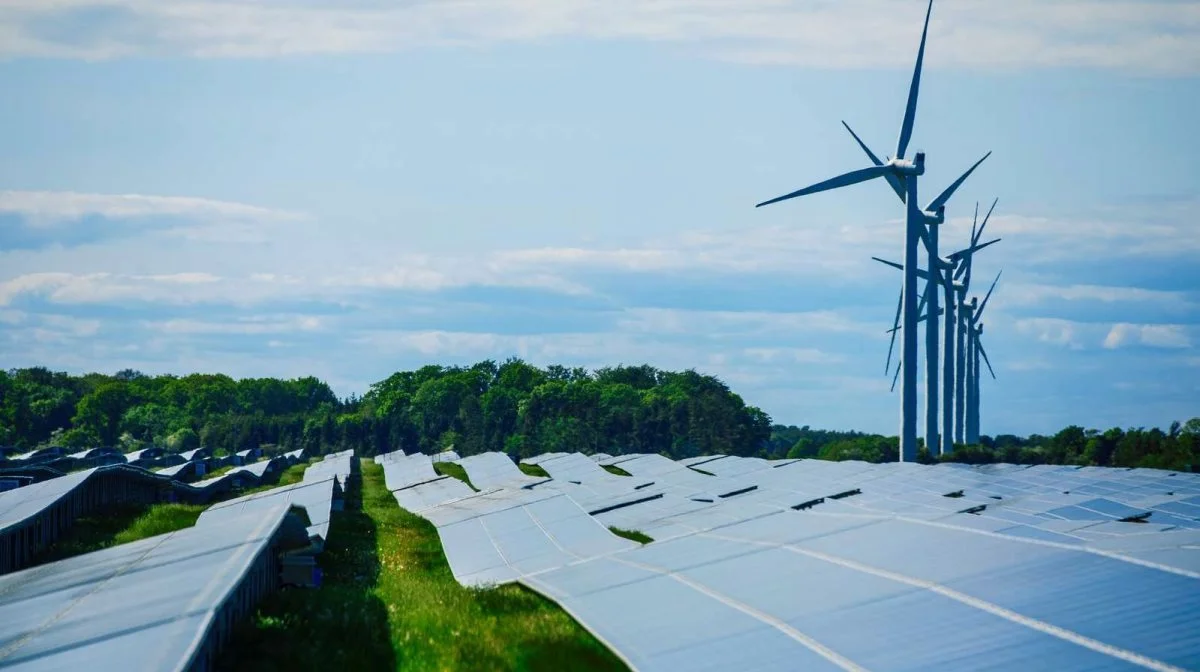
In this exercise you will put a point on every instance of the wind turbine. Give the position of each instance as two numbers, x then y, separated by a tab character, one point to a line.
901	174
943	276
934	215
974	352
962	270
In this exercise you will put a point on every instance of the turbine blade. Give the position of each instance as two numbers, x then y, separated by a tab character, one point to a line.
853	177
945	195
893	264
897	376
896	182
979	234
983	304
870	155
985	357
910	111
970	251
921	273
895	327
990	242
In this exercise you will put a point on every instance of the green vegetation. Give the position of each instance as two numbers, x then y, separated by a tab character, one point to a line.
119	525
455	470
511	407
219	471
390	602
1177	448
614	469
533	470
706	473
632	535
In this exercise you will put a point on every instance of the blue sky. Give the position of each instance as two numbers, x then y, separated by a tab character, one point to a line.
284	188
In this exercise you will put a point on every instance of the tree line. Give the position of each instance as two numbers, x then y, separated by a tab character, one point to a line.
513	407
1177	448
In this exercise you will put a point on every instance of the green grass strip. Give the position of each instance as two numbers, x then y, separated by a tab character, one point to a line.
455	470
632	535
119	524
390	602
614	469
532	470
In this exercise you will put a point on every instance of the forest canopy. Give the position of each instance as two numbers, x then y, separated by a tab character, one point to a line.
513	407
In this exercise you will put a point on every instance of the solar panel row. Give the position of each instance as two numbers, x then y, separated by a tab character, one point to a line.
820	565
34	516
168	602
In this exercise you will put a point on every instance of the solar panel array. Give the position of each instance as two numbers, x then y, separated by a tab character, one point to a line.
33	516
167	602
807	564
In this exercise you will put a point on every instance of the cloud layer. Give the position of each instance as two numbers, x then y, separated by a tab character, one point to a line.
805	340
1152	36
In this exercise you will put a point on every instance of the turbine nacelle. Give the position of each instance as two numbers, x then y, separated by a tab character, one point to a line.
906	167
936	217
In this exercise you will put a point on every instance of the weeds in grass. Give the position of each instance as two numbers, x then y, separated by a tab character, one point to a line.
632	535
391	602
455	470
532	470
614	469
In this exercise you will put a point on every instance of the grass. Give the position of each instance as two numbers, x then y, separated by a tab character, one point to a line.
219	470
455	470
632	535
119	525
390	602
614	469
532	470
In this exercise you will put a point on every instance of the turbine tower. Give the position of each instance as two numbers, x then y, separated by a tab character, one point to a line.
902	175
974	352
963	270
943	277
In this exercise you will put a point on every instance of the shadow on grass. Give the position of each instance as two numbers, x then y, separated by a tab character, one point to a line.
340	626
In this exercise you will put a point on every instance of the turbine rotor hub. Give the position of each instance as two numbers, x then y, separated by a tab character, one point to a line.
906	167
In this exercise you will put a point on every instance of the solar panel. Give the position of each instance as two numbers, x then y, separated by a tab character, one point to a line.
496	470
315	497
153	604
861	553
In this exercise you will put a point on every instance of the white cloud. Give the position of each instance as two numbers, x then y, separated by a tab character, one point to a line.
95	288
1053	330
1152	335
793	355
1154	35
1124	233
755	324
12	317
252	325
43	208
1020	294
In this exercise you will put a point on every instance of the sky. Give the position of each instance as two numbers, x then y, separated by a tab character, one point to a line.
287	187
